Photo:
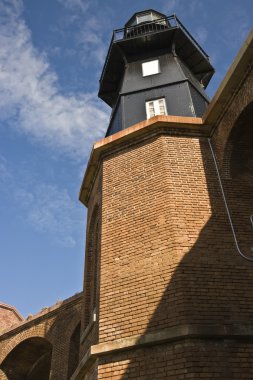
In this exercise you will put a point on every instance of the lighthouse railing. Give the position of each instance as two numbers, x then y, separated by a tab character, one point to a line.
158	25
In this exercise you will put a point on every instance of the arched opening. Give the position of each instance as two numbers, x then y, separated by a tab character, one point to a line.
241	162
29	360
238	179
74	348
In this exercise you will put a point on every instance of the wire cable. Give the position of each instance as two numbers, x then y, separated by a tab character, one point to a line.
226	205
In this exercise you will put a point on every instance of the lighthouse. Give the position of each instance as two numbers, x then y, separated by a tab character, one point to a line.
153	67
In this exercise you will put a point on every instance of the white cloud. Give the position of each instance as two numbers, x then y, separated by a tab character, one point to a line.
93	48
30	98
44	207
170	6
201	35
89	34
184	8
24	197
238	17
195	7
4	172
82	5
51	211
10	9
66	241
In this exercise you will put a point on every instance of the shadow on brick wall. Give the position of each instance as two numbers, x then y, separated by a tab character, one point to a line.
212	284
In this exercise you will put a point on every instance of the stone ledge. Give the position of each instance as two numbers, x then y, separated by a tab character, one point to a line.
164	336
162	120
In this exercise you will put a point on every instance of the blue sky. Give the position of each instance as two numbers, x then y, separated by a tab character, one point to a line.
51	56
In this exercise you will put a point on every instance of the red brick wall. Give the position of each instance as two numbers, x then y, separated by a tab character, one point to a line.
8	317
155	206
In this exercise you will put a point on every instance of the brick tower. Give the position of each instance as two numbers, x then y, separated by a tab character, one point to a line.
168	287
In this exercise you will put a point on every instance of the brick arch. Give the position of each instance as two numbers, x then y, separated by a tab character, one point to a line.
33	332
74	350
222	135
237	177
30	359
238	154
73	316
76	321
60	334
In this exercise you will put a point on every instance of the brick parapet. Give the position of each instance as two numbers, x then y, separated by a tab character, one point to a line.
44	314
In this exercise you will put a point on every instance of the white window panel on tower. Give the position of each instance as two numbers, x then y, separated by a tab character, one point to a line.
150	68
156	107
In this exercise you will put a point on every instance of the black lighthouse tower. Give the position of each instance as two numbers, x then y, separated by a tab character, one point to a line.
153	67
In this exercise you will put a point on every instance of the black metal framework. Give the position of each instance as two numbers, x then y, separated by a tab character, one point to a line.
154	26
184	70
